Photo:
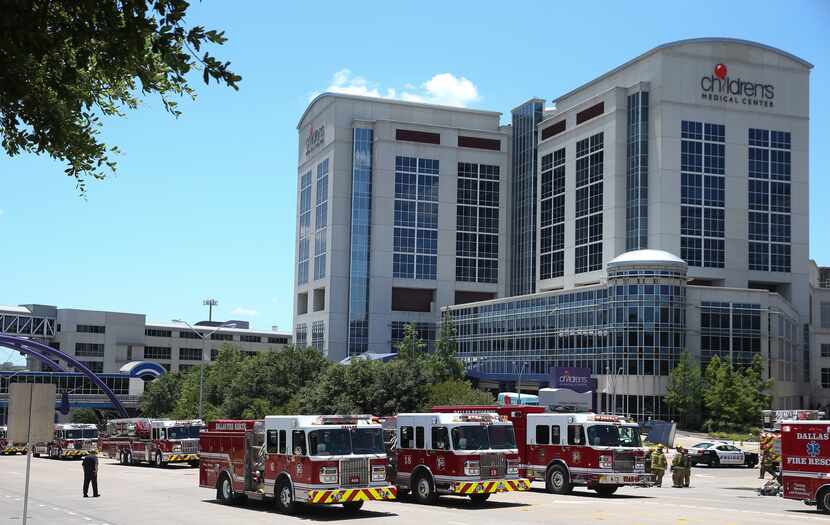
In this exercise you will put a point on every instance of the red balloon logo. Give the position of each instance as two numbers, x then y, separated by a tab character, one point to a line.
720	71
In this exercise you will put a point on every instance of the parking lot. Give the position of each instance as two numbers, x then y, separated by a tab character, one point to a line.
141	495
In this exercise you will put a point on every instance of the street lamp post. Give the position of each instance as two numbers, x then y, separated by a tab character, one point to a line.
204	337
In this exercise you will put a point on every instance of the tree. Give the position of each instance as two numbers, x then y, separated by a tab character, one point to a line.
83	415
65	64
457	392
684	390
443	363
411	345
160	396
221	373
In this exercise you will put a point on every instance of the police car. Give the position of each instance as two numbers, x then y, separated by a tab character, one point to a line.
718	453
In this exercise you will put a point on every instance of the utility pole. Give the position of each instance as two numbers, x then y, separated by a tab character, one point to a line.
210	303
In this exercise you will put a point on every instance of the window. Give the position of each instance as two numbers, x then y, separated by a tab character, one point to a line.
702	194
410	135
301	335
479	143
318	335
592	112
278	340
298	442
824	312
440	438
281	449
304	228
187	354
576	435
825	378
477	223
90	329
321	220
250	338
542	435
407	434
89	349
769	200
94	366
415	236
157	352
419	437
552	217
221	337
825	350
554	435
189	335
589	198
272	440
157	332
553	129
424	331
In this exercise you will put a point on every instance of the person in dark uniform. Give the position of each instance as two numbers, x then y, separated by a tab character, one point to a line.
90	464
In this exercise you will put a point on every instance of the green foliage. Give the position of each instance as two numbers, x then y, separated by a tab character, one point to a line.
734	399
684	390
443	364
411	346
457	392
83	415
65	64
160	396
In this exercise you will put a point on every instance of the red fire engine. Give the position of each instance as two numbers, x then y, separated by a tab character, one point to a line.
296	459
805	462
72	440
458	454
601	452
156	441
6	448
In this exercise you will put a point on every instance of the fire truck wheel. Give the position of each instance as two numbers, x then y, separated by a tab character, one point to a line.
352	506
823	500
606	490
558	480
424	490
224	492
479	499
285	498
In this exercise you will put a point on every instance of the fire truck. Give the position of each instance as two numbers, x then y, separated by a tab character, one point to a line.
601	452
458	454
6	448
296	459
72	440
805	461
156	441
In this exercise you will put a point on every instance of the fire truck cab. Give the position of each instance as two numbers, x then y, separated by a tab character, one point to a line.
805	462
601	452
471	455
6	448
296	459
155	441
72	440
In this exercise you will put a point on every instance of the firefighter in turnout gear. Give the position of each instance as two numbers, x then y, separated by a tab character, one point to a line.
658	465
681	468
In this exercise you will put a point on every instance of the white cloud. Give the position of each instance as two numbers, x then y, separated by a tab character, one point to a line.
444	88
244	312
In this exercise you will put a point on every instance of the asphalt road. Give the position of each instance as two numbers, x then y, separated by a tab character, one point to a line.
142	495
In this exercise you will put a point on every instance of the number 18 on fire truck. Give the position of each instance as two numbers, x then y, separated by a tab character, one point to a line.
155	441
72	440
296	459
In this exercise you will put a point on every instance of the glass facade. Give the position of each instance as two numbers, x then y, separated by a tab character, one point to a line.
300	335
415	243
552	218
769	200
636	201
634	326
305	227
703	206
425	331
321	219
477	223
361	227
318	336
73	382
523	218
589	199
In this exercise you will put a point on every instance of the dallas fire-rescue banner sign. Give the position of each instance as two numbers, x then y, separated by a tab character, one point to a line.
31	401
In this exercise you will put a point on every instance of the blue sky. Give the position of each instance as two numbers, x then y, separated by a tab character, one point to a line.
203	206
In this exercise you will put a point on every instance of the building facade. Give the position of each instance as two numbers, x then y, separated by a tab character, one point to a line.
106	341
401	209
696	150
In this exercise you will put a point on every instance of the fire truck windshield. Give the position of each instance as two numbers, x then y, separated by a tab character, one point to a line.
341	441
470	437
183	432
88	433
501	437
613	436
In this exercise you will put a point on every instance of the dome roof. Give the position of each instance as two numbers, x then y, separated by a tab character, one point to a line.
646	257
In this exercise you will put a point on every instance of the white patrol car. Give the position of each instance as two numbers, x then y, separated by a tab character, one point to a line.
720	453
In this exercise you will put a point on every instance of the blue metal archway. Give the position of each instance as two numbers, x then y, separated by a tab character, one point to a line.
43	353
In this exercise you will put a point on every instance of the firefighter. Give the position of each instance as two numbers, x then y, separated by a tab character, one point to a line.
90	465
680	468
658	464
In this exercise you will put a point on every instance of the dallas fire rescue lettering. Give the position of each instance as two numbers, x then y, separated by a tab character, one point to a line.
719	87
